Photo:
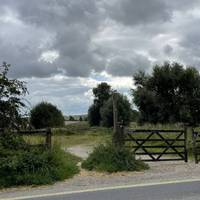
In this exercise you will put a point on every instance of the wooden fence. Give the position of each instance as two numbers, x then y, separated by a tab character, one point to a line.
44	132
157	145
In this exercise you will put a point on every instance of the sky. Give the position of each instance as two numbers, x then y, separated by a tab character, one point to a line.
64	48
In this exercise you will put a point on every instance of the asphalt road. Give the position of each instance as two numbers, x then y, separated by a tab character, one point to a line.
173	191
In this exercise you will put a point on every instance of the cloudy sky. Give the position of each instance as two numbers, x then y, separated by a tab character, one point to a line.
63	48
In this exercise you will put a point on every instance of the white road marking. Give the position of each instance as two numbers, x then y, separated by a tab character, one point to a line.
100	189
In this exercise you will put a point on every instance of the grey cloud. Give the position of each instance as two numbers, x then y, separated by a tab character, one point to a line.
127	66
134	12
189	43
70	26
168	49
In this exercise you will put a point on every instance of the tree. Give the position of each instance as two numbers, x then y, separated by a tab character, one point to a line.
170	94
80	119
123	108
134	115
101	94
71	118
45	115
11	99
94	115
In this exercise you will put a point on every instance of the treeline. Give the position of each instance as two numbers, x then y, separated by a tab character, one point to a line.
170	94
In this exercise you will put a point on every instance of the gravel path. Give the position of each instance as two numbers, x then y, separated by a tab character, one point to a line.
80	150
158	172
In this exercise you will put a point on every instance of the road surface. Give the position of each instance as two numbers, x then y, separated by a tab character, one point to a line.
166	191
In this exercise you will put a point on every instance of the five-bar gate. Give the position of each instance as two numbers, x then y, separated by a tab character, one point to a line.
157	145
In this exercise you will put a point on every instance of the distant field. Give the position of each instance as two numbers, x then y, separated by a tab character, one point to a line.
70	122
80	133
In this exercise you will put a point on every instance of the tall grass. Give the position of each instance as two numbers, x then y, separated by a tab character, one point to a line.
110	158
22	164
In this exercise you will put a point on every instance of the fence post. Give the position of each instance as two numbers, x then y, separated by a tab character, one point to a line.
118	137
186	143
194	137
115	114
48	138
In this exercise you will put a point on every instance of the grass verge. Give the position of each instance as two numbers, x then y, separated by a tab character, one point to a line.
22	164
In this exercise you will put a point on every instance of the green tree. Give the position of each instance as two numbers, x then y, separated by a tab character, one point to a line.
101	94
170	94
123	108
11	99
71	118
134	115
45	115
94	115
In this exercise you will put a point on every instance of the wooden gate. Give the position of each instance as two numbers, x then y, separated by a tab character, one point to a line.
157	145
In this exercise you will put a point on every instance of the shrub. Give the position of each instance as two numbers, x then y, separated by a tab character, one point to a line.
113	159
21	164
46	115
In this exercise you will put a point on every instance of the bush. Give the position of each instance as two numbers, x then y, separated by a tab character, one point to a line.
46	115
113	159
21	164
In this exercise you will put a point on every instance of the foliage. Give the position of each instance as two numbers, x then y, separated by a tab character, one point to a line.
94	115
71	118
22	164
123	108
11	102
101	94
113	159
45	115
171	94
134	115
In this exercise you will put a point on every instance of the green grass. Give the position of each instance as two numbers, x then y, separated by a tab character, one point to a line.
135	125
22	164
109	158
75	134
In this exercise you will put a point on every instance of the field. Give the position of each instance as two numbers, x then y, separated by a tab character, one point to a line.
75	134
81	134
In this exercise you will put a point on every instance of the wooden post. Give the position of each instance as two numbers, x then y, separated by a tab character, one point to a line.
194	137
121	134
115	116
115	120
186	144
48	138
